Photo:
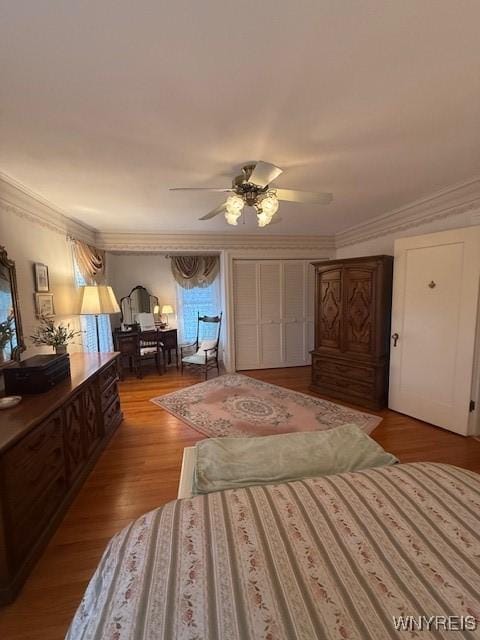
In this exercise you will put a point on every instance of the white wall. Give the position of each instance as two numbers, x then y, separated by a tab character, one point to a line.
385	243
27	242
125	271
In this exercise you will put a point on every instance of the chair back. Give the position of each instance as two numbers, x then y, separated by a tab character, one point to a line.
146	321
214	323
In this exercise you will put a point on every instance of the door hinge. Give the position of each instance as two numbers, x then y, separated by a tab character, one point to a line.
471	406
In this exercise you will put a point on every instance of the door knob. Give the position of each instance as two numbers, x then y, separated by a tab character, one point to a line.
395	337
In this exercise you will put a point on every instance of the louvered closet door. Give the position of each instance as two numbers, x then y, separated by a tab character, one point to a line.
245	295
294	285
273	314
270	303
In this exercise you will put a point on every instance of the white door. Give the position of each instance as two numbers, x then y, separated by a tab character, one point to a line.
434	313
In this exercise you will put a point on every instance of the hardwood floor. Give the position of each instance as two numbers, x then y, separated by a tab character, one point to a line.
139	471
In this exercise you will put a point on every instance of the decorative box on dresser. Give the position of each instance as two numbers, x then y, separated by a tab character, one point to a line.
48	445
353	299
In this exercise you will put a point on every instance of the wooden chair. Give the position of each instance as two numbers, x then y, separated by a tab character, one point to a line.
151	346
136	347
202	354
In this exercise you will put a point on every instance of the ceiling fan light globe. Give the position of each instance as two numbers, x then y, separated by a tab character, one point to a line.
234	204
263	219
270	205
232	218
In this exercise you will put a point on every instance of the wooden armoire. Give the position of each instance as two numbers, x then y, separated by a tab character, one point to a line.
350	359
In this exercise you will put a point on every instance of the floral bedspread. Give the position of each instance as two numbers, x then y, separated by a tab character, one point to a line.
331	557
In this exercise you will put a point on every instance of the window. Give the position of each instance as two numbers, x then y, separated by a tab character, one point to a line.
87	323
190	302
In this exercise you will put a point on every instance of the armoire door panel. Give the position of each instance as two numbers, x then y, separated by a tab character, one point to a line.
329	311
359	310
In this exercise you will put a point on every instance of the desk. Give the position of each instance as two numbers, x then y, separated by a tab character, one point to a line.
128	344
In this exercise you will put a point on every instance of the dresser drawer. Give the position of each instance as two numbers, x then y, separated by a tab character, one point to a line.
108	375
33	463
112	416
26	527
109	394
345	370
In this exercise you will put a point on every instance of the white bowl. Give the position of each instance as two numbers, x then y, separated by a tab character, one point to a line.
9	402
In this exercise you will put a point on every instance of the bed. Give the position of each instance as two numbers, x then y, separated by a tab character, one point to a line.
328	557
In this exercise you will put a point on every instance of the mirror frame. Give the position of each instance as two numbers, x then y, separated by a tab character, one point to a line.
10	265
139	286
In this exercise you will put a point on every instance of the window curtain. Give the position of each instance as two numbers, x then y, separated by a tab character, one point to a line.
195	271
89	261
89	275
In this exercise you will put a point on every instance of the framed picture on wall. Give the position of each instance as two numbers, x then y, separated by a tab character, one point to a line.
44	304
42	284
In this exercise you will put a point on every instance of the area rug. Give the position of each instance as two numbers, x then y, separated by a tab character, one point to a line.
236	405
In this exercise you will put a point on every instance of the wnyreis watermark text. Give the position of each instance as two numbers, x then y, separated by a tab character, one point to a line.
435	623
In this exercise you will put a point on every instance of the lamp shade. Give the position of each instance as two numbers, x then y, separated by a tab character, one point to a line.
98	299
156	310
167	308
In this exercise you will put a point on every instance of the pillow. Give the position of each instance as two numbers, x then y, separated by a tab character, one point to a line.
206	344
226	463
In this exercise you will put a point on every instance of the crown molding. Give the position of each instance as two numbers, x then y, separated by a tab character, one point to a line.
160	243
17	199
454	200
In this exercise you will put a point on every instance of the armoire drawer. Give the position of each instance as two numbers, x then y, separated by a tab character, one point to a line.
339	383
344	370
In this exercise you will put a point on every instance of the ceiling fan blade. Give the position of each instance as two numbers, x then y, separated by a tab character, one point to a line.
214	212
264	173
305	197
200	189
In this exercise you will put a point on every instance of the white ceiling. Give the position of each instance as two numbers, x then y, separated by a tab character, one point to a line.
104	105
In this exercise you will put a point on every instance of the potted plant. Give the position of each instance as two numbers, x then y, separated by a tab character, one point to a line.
56	336
6	335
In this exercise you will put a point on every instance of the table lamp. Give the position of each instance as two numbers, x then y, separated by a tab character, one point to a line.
166	309
97	300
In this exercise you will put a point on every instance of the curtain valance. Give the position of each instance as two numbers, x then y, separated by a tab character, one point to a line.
195	271
90	261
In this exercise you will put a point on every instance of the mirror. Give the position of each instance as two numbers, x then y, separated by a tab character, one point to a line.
139	300
11	337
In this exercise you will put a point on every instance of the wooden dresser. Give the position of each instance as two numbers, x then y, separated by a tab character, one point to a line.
353	299
48	445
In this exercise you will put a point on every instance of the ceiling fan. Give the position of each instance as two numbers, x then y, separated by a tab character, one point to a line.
253	188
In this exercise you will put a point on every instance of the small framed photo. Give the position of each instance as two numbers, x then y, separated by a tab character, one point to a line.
44	304
42	284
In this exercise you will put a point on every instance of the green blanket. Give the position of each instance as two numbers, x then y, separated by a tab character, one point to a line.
227	463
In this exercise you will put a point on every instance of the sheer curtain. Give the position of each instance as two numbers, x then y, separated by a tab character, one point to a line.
87	323
203	300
